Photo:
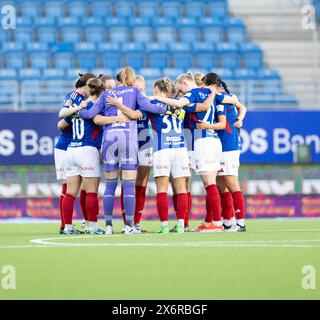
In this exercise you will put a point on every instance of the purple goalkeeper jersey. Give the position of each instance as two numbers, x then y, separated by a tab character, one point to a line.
120	140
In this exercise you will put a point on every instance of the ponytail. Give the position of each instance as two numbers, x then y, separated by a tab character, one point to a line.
164	85
96	86
224	86
126	76
213	79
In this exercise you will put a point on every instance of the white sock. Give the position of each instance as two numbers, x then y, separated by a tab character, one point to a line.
68	227
227	223
240	222
217	223
181	222
164	223
87	224
92	225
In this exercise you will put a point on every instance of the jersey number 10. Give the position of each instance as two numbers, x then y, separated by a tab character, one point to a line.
77	128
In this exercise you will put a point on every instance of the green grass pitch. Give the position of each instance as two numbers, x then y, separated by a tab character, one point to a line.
264	263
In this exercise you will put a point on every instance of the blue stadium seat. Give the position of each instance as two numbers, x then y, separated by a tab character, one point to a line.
4	36
29	9
225	74
189	34
180	47
8	74
148	8
109	47
102	8
265	74
202	47
133	47
87	61
111	61
140	22
15	60
195	8
54	8
119	34
23	35
245	74
53	74
88	22
124	8
71	34
63	60
96	34
206	60
85	47
47	21
72	74
159	60
236	31
166	34
171	9
29	74
173	73
39	60
47	35
116	22
142	34
213	34
188	22
12	47
105	71
252	56
182	60
164	21
135	60
157	47
66	22
217	8
151	73
78	8
24	22
63	47
229	55
37	47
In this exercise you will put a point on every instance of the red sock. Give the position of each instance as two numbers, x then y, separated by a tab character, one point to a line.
92	206
174	201
122	206
186	219
62	195
140	201
182	205
214	203
226	205
163	206
238	203
67	208
83	196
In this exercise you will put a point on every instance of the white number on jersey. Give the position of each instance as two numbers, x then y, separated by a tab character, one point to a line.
177	126
77	128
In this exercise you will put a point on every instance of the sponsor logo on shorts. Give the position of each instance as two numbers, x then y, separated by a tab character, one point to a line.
221	171
87	168
162	167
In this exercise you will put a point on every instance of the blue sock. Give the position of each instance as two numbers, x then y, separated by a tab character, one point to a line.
108	200
129	199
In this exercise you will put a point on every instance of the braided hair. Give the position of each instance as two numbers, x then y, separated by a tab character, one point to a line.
213	79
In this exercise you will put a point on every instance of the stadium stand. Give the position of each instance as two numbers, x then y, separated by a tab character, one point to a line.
55	39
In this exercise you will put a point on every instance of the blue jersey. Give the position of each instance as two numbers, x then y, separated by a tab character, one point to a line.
199	95
168	130
143	129
230	136
85	132
65	137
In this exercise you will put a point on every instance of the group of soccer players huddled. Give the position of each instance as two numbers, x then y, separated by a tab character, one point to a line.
190	126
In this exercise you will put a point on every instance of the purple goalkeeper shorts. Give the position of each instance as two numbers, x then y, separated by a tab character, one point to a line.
119	154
